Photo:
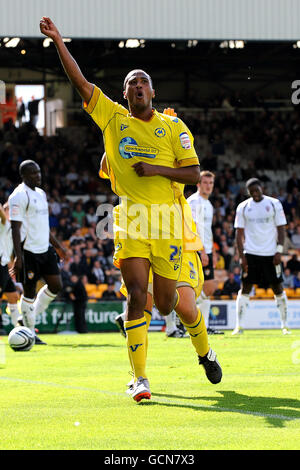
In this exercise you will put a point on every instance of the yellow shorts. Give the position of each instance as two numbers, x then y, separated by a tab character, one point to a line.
191	275
164	251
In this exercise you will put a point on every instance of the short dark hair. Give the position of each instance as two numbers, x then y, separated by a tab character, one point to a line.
252	181
136	70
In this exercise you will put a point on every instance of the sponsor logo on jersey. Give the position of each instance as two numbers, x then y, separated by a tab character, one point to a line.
160	132
123	127
185	140
129	148
30	275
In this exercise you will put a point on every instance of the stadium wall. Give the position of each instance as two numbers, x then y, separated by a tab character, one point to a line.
156	19
262	315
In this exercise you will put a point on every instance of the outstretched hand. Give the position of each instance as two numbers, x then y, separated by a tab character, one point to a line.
48	28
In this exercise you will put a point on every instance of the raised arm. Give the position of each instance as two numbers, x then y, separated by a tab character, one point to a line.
84	88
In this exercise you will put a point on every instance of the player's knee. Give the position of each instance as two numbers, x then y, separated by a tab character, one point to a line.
137	297
12	297
165	305
56	286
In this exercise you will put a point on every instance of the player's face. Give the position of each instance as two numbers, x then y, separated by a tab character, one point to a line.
32	176
139	91
206	186
256	192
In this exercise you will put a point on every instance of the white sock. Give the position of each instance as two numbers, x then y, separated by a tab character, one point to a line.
203	303
281	304
43	299
171	322
14	313
123	315
27	310
242	303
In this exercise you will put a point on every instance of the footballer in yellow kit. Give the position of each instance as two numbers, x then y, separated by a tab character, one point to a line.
163	140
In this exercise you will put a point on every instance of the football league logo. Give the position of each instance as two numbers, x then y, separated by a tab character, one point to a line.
185	141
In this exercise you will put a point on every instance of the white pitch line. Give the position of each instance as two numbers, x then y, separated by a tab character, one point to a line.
156	399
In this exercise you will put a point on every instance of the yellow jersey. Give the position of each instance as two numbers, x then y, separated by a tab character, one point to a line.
163	140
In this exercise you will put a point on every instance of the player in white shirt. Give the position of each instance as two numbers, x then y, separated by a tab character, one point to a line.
35	257
260	229
203	212
7	286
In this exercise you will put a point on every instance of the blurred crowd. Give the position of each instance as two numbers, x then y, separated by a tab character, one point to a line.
261	141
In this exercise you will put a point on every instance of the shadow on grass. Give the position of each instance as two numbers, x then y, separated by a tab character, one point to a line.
276	411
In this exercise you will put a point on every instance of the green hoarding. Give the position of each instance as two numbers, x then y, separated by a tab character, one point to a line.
59	317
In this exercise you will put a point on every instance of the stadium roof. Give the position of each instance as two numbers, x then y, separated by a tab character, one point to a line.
156	19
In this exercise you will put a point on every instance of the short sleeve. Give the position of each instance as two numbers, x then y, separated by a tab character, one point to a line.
101	108
16	207
183	144
280	218
239	221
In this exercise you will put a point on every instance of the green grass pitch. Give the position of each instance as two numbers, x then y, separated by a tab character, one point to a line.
70	395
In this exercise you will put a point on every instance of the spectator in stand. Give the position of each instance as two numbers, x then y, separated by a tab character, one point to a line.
289	204
293	264
78	214
77	237
297	280
79	298
110	293
237	275
63	230
295	238
53	220
293	182
91	217
78	266
227	256
230	286
220	264
235	262
288	278
97	275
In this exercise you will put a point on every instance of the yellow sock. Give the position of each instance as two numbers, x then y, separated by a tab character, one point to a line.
136	337
148	316
198	335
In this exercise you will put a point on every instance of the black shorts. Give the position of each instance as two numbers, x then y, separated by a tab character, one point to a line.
208	270
38	265
262	271
6	282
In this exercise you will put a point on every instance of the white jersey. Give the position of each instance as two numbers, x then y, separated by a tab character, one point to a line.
31	208
6	243
260	221
202	212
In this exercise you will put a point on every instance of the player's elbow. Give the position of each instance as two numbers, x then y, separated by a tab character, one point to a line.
195	175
